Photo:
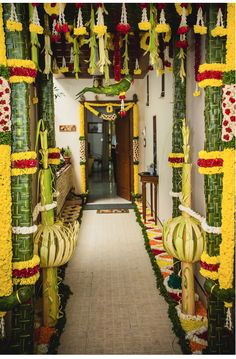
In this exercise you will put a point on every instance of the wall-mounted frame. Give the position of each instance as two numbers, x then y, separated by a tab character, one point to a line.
67	128
95	127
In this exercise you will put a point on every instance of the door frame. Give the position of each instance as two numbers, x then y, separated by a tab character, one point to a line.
134	147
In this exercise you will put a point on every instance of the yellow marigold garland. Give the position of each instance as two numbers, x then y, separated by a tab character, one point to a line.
230	42
53	9
17	79
5	227
21	63
79	31
135	178
83	178
36	29
81	120
23	155
179	9
26	281
226	268
211	67
14	25
144	25
23	171
162	28
209	274
100	30
210	260
210	155
31	263
219	31
198	29
3	59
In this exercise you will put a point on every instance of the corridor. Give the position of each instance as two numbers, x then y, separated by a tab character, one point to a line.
115	307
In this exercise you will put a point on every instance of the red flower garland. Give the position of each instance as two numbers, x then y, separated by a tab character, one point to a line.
214	162
182	30
24	163
210	267
123	28
175	159
209	75
53	155
22	71
181	44
26	272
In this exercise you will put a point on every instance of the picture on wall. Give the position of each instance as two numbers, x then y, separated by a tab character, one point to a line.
95	127
67	128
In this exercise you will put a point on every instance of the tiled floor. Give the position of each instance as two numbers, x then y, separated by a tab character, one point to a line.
115	308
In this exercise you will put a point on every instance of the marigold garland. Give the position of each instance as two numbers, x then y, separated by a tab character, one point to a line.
176	160
53	8
230	42
3	59
24	167
210	259
219	31
226	269
5	228
14	25
210	162
198	29
54	156
36	29
23	155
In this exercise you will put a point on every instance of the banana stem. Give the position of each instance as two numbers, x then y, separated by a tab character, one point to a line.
50	297
188	294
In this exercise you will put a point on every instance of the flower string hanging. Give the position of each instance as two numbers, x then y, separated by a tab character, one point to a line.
80	29
162	26
137	70
219	29
61	26
144	25
35	26
123	27
122	112
101	30
200	28
197	62
63	67
182	43
13	24
55	34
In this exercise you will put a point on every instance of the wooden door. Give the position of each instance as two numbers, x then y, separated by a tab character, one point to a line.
123	156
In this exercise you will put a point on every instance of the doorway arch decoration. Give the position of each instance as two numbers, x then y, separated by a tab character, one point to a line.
91	106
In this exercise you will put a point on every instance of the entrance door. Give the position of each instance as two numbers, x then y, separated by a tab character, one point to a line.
123	156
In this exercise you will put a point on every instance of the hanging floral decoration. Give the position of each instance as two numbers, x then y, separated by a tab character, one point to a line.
101	30
92	44
137	70
228	110
123	27
53	8
13	24
122	112
5	108
80	29
116	58
167	61
219	29
64	68
200	28
61	25
35	22
197	62
144	25
182	43
55	34
162	27
125	68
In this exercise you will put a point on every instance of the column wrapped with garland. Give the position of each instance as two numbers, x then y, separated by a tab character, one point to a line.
25	265
82	140
135	148
216	162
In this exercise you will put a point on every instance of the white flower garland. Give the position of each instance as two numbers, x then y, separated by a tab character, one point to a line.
202	220
5	108
13	16
193	336
35	18
38	208
220	21
196	318
123	19
24	230
80	19
200	21
175	194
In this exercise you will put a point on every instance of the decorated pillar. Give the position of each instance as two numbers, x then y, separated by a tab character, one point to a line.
216	162
25	265
135	148
82	140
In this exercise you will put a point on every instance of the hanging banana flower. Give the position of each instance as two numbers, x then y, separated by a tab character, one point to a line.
92	45
182	44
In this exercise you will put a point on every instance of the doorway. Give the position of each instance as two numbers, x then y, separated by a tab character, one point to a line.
109	153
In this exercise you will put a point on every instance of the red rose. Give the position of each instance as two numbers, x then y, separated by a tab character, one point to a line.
232	118
226	137
224	104
232	100
5	128
7	90
58	27
1	93
228	93
6	108
227	111
123	28
2	102
228	129
55	38
225	123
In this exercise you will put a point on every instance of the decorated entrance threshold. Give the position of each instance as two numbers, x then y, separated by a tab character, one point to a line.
110	116
191	330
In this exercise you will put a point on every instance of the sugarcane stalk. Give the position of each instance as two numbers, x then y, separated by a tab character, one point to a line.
22	315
